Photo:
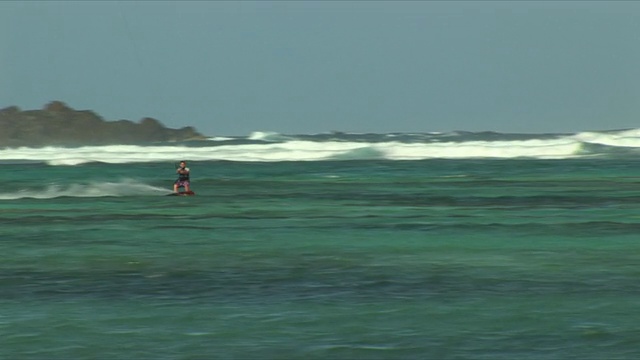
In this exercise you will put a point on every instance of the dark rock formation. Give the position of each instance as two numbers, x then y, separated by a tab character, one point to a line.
59	125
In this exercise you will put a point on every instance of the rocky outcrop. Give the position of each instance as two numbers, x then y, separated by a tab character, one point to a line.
59	125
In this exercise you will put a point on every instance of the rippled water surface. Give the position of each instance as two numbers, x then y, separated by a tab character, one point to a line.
375	259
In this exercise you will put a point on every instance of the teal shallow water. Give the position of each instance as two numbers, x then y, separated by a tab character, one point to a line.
492	259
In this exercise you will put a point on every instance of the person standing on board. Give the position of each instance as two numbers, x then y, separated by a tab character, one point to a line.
183	178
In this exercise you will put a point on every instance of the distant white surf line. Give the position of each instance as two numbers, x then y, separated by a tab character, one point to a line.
93	189
221	138
308	150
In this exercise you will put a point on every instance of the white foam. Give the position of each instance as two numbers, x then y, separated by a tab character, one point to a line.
220	138
625	138
540	149
565	147
297	151
267	136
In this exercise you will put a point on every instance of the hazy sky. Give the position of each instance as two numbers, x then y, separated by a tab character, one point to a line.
230	68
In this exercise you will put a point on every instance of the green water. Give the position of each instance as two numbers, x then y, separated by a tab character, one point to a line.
518	259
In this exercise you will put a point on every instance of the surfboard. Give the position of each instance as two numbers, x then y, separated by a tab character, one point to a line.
182	193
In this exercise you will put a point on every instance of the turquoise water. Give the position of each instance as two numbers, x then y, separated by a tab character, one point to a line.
369	259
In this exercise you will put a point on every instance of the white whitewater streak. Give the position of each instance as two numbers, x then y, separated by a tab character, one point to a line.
268	136
113	154
94	189
565	147
120	154
627	138
220	138
300	150
539	149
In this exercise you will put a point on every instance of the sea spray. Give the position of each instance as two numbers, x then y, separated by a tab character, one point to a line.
89	189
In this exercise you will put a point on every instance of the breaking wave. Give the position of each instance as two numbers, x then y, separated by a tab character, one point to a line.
270	146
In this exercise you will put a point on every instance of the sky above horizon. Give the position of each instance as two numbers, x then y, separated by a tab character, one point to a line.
302	67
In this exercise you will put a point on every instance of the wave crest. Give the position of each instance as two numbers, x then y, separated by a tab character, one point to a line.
269	146
267	136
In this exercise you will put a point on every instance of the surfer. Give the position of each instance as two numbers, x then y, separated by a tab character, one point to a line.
183	178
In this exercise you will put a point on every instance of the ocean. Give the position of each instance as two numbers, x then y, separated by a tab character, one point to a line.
462	245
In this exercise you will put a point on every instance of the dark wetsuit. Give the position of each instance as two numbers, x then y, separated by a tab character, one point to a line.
183	179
